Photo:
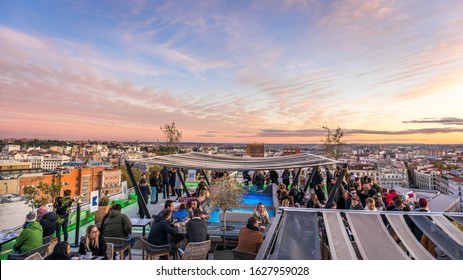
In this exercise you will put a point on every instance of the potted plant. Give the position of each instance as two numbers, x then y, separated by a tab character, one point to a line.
225	194
103	208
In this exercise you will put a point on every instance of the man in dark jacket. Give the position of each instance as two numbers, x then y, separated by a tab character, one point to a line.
317	178
117	224
162	232
47	221
165	182
62	207
196	228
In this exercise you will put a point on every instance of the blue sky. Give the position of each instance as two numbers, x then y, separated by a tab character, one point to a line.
232	71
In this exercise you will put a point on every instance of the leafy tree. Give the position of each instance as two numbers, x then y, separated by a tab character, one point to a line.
125	175
333	145
172	136
44	193
226	194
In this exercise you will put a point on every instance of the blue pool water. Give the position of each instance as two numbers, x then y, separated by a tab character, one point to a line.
253	198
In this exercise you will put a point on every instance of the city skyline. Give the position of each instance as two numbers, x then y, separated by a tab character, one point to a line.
232	71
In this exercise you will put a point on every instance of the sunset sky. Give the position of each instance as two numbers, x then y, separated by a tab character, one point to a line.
232	71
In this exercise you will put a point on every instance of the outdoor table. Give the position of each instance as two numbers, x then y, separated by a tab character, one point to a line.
140	223
7	238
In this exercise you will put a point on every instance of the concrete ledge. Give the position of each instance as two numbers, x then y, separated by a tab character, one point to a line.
236	217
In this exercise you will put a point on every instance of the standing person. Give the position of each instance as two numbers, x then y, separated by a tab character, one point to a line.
154	184
93	242
320	193
30	237
47	220
62	207
317	178
178	187
285	177
274	178
196	228
145	192
165	182
172	179
329	178
259	180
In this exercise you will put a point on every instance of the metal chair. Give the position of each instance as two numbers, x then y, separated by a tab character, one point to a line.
196	250
241	255
35	257
120	246
152	251
42	250
47	239
109	251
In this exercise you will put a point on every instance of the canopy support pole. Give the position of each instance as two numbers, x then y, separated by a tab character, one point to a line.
296	179
141	200
336	187
182	181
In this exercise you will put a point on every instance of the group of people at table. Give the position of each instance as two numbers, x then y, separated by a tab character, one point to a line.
44	223
164	229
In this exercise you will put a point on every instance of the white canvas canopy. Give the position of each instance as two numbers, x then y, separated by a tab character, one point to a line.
196	160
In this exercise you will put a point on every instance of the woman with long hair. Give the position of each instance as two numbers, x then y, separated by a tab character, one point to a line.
62	251
93	242
261	214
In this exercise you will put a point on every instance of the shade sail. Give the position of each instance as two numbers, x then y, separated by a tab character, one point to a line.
457	218
438	237
455	233
372	238
414	247
339	243
298	238
196	160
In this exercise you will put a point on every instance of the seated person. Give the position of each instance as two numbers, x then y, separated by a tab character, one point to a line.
93	242
261	215
201	187
250	238
182	212
118	225
162	232
194	204
313	201
47	220
31	236
62	251
203	196
282	192
196	228
296	194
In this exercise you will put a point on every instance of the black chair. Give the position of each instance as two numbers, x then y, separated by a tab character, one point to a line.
241	255
47	239
42	250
